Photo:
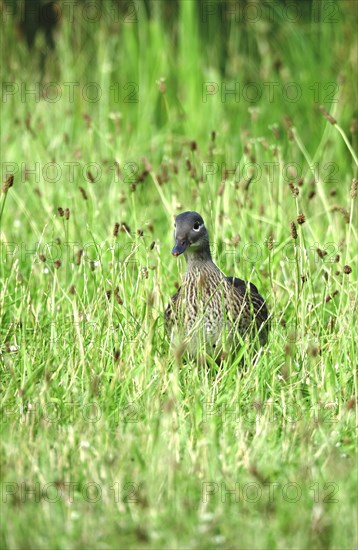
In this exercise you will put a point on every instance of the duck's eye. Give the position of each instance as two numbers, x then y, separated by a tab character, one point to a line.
196	226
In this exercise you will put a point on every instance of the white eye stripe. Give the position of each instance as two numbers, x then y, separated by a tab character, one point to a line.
198	229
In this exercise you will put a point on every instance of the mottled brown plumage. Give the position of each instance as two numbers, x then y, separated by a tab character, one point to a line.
210	309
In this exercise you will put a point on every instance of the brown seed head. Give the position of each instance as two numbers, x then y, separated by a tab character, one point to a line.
117	296
83	193
294	190
78	257
124	227
116	229
270	242
301	218
327	115
330	296
9	182
293	230
90	176
321	253
347	269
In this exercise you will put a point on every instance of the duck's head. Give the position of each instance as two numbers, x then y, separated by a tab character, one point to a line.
190	235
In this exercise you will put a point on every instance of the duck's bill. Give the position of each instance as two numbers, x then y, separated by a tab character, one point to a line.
179	248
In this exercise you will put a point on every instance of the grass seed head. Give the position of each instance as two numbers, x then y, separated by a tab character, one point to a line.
83	193
293	230
90	177
294	190
117	296
9	182
116	229
327	115
270	242
321	253
78	257
124	227
347	269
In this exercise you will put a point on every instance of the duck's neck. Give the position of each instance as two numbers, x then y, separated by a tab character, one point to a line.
197	256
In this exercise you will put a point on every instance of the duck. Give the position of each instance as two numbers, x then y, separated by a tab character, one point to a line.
211	312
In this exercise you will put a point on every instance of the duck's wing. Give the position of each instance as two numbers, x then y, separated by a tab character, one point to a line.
258	304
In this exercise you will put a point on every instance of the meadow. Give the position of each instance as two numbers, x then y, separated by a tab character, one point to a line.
110	438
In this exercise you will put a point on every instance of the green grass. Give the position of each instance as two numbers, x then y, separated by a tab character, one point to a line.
109	438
